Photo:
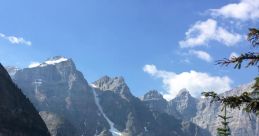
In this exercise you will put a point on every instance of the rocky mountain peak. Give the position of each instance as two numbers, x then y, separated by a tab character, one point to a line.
183	92
184	104
56	86
155	101
113	80
109	83
184	97
153	95
115	84
52	70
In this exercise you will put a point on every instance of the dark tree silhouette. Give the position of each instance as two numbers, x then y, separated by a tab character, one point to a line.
250	100
225	130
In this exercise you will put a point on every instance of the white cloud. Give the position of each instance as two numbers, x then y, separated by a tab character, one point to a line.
15	40
201	55
34	64
233	54
244	10
204	31
195	82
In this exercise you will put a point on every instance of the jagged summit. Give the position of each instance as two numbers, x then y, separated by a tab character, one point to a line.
183	92
118	79
184	104
109	83
155	101
153	95
50	61
115	84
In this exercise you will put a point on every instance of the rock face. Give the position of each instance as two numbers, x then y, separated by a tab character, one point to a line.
205	114
18	117
241	124
57	125
183	104
57	87
155	101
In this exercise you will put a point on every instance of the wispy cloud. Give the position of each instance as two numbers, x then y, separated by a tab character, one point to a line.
201	55
203	32
15	40
195	82
244	10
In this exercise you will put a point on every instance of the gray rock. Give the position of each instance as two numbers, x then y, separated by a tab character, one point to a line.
57	125
183	104
155	101
116	84
242	123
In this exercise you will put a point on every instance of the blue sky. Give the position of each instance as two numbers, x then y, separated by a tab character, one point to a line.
151	43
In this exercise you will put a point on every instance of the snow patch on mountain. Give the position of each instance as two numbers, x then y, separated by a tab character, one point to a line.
52	61
93	85
34	64
55	61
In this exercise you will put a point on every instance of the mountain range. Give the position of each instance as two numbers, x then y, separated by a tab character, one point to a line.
204	113
70	106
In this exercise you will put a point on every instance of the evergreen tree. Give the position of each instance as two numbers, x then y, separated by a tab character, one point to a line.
225	130
250	100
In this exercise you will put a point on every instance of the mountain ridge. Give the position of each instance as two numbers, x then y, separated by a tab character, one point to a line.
203	113
60	89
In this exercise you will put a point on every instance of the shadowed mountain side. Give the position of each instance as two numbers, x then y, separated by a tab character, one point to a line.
18	117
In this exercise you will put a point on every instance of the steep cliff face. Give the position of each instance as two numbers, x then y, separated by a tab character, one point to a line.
242	123
57	87
116	85
18	117
57	125
183	104
155	101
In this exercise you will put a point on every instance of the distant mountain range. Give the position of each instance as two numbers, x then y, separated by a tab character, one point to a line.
205	114
70	106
